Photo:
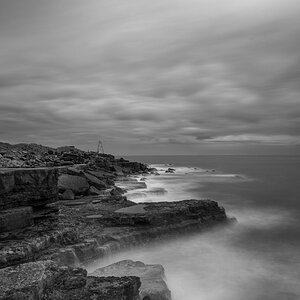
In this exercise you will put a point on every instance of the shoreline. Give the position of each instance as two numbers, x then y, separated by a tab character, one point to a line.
100	228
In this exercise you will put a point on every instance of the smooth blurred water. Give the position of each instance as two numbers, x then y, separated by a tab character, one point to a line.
259	257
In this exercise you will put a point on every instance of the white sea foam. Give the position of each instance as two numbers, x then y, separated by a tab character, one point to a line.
212	265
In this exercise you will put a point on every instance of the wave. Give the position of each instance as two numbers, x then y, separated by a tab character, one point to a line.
244	262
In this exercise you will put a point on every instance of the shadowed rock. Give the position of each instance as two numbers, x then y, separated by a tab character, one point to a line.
44	280
27	187
94	181
68	195
77	184
94	191
153	285
15	218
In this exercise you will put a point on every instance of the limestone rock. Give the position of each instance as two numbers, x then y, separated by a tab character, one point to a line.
45	280
94	191
153	285
68	195
133	166
15	218
26	281
118	170
167	213
74	171
77	184
27	187
101	174
117	191
94	181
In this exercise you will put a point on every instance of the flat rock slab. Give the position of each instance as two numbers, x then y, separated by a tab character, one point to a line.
153	286
94	181
96	201
94	191
135	209
166	213
94	217
74	203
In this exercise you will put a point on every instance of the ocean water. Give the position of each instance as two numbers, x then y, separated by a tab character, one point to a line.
258	258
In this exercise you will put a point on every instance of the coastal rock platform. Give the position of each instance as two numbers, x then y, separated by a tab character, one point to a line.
58	218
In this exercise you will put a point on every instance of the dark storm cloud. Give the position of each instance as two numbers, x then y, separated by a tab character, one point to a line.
172	72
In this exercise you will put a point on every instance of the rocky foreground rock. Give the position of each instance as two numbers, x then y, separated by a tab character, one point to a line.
153	285
45	280
56	218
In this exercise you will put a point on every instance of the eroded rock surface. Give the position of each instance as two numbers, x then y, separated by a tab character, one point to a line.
153	286
27	187
78	185
95	220
45	280
166	213
15	218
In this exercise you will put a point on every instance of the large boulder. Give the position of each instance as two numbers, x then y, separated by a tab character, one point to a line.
79	185
26	281
68	195
94	191
45	280
118	170
94	181
153	286
117	191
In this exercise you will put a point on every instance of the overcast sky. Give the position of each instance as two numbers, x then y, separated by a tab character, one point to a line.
152	77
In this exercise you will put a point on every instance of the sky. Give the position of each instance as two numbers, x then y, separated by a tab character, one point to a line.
152	77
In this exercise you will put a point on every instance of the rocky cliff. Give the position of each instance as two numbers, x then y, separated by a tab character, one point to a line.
27	187
71	213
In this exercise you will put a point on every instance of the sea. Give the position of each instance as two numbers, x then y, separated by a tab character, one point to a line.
258	257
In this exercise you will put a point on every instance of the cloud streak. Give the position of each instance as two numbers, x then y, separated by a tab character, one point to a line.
173	72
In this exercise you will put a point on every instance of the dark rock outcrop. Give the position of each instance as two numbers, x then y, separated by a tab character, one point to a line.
152	277
94	181
140	224
166	213
27	187
94	191
68	195
77	232
15	218
17	247
44	280
77	184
